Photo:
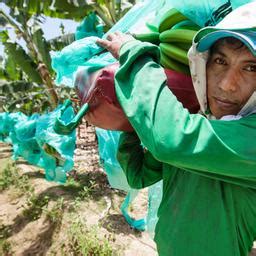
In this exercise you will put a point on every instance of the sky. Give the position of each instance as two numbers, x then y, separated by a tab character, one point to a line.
51	27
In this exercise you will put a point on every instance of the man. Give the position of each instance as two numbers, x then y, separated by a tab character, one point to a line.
208	166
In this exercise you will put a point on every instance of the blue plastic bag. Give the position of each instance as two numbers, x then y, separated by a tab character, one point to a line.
89	27
108	143
205	12
67	62
35	139
58	149
7	123
155	193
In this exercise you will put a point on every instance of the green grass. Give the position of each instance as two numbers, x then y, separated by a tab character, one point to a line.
55	214
11	178
5	247
35	206
80	190
87	191
87	241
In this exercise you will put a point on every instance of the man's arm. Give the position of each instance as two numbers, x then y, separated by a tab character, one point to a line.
140	168
171	134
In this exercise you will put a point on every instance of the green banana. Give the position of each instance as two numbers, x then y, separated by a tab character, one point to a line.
184	46
186	24
152	37
169	19
169	63
174	52
177	35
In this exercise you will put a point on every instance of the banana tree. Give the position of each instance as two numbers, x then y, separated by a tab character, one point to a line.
27	75
34	62
28	97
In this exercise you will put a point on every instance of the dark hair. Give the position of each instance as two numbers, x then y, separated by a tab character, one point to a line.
232	42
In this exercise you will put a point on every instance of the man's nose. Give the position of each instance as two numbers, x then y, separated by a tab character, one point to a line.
229	81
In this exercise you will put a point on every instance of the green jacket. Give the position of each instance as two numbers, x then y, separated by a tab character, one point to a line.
208	167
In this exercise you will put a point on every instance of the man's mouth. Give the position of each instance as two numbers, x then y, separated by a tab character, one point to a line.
224	103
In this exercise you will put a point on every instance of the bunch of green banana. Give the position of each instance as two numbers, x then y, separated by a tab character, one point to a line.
174	37
174	45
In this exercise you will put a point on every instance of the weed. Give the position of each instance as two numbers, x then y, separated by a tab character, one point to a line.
10	177
5	179
76	204
72	182
72	186
34	206
5	247
55	214
87	191
83	194
85	241
5	231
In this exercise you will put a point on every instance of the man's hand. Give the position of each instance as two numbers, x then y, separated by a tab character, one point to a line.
114	42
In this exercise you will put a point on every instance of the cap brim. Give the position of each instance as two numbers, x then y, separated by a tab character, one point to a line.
208	36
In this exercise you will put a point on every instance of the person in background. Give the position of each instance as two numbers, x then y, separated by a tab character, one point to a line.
207	161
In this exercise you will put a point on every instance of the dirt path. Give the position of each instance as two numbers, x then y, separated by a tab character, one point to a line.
80	218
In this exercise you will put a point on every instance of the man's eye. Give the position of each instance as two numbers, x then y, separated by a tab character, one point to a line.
220	61
250	68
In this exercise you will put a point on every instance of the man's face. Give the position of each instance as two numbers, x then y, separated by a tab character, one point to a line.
231	78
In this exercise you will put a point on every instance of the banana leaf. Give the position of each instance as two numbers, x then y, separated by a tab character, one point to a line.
2	21
15	86
42	46
3	74
24	61
4	36
58	43
11	71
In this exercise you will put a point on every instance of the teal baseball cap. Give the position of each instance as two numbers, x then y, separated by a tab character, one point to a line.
248	37
240	24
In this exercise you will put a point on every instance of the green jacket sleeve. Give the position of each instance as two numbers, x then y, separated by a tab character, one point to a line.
140	168
173	135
